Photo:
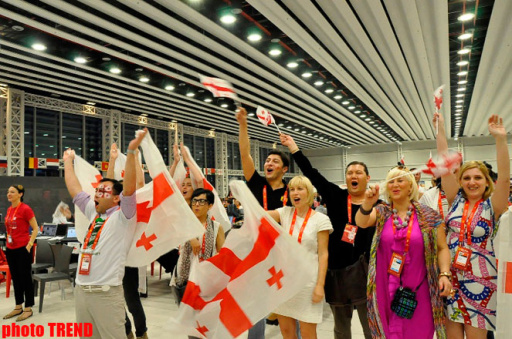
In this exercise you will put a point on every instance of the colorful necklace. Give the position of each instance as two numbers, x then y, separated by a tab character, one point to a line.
405	222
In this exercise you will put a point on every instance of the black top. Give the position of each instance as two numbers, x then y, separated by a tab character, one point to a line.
274	197
341	254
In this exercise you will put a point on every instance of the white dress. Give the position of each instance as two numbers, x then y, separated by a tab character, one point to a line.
301	306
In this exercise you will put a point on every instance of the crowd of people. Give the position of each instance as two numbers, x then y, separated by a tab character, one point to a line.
406	261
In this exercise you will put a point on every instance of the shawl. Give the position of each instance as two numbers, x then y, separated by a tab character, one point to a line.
429	220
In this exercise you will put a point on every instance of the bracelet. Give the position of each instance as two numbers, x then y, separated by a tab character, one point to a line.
445	274
131	151
365	212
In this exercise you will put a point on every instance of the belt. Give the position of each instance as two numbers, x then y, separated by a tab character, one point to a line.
95	288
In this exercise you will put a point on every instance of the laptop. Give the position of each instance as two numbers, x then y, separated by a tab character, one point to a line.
49	230
3	230
71	234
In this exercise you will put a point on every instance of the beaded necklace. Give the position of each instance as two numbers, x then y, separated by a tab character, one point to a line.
405	222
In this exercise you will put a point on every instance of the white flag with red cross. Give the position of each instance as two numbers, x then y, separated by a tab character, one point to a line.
259	267
264	116
441	164
503	248
438	97
119	166
219	87
180	173
218	211
164	220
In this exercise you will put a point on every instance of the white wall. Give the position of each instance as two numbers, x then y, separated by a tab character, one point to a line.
380	158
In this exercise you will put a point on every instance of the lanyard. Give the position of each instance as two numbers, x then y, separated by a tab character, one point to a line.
8	221
466	226
265	204
349	209
91	228
440	198
303	227
409	231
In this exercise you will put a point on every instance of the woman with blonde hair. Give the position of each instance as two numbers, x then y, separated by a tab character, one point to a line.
311	230
409	262
476	204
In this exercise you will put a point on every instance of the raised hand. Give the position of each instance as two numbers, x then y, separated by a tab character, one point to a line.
135	143
438	118
288	141
371	196
114	151
68	154
496	127
241	116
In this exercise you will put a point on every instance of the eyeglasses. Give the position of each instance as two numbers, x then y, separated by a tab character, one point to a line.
201	202
103	192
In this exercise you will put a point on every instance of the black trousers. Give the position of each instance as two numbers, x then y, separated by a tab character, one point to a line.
132	298
20	265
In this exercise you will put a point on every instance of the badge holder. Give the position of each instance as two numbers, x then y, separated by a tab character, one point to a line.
396	265
462	258
349	234
85	264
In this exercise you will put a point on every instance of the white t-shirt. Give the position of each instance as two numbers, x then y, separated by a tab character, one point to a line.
431	199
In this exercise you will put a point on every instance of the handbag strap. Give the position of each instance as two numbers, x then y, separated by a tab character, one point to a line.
417	288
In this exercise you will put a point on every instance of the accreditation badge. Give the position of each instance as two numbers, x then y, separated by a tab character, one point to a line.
9	239
349	234
85	264
396	264
461	259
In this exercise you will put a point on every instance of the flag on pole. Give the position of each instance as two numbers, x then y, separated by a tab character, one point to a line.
264	116
180	173
402	160
438	97
219	87
218	212
259	267
442	164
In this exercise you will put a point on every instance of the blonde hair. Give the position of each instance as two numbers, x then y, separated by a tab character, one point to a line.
301	180
481	166
395	172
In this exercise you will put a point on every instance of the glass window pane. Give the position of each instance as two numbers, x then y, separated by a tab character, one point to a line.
128	135
199	155
188	140
72	131
263	157
29	132
230	154
237	162
93	139
47	133
210	153
162	142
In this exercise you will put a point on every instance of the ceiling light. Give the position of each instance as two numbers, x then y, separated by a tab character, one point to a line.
345	102
461	89
462	63
251	114
458	110
458	106
228	19
254	37
337	97
80	60
144	79
459	101
274	52
372	122
297	129
115	70
169	87
461	73
90	103
465	36
289	127
207	100
190	94
304	132
462	82
292	65
460	95
351	107
367	119
464	50
224	105
329	90
362	116
280	124
466	17
318	83
39	47
306	75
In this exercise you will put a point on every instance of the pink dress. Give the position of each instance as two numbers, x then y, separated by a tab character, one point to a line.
414	274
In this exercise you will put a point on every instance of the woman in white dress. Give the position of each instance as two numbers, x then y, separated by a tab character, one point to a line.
311	230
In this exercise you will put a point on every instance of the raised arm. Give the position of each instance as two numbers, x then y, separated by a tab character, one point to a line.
244	144
371	196
448	181
139	174
176	160
129	182
194	169
114	153
70	177
500	196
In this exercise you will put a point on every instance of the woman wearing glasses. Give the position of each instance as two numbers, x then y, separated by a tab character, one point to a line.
18	221
476	204
201	202
409	268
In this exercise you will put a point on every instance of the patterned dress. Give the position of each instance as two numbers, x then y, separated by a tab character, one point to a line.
475	301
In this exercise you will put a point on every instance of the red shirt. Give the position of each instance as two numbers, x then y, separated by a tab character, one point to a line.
17	225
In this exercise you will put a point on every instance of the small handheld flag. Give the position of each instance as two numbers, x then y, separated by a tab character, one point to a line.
438	102
265	117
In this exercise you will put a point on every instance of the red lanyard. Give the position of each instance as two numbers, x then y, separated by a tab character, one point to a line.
91	228
466	226
409	231
265	204
440	202
8	221
349	209
203	245
303	227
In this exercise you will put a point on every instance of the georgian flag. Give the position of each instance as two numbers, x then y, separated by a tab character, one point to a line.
442	164
219	87
218	212
259	267
264	116
438	97
180	173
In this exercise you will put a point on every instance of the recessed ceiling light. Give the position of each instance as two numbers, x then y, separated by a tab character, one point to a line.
458	114
466	17
292	65
362	116
358	111
459	101
329	90
139	69
367	119
80	60
458	110
39	47
254	37
280	124
306	75
465	36
303	132
144	79
351	107
296	129
250	114
115	70
372	122
224	105
458	106
274	52
18	28
289	127
337	97
91	103
461	89
464	50
461	73
207	100
105	59
169	87
190	94
228	19
460	95
462	82
318	83
462	63
345	102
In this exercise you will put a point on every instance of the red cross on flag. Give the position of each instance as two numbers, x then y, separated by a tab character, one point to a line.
438	97
441	165
164	220
503	250
264	116
219	87
119	166
259	267
218	212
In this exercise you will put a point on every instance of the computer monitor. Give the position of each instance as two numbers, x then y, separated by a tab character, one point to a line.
2	228
62	230
71	233
49	229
